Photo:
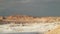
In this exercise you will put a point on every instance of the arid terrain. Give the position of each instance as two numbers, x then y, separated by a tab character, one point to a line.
24	23
28	19
54	31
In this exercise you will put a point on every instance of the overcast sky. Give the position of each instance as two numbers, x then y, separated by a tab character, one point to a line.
30	7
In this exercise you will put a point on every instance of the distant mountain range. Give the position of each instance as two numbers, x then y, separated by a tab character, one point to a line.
27	19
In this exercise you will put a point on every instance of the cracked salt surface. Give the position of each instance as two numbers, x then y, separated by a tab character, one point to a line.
37	27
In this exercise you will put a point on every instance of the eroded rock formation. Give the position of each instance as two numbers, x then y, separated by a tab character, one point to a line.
28	19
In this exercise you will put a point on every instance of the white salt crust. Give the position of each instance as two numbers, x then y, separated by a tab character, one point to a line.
34	27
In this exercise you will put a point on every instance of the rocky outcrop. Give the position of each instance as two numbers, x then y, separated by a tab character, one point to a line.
28	19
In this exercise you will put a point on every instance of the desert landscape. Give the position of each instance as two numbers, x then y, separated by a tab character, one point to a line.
27	19
25	23
30	16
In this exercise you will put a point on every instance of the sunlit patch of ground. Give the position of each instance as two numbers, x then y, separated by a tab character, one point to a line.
41	27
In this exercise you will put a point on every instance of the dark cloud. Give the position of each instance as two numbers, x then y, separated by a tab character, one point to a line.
30	7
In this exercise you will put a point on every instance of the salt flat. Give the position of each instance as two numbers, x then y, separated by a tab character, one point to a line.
16	28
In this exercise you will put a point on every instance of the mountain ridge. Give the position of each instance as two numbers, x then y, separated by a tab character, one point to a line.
28	19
